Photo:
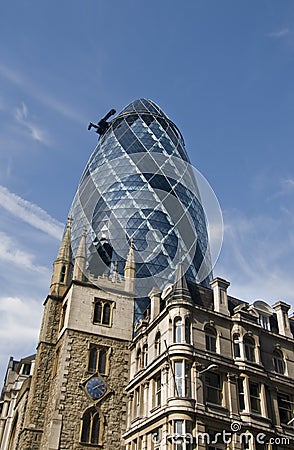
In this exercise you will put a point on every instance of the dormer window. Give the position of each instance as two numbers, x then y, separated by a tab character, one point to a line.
263	312
264	322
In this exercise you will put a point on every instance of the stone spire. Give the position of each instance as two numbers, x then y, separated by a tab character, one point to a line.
80	259
130	269
62	266
180	287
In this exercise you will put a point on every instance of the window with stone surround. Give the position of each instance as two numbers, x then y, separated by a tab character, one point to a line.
91	427
157	344
98	359
278	362
210	338
178	330
103	310
285	408
213	388
249	347
182	370
254	389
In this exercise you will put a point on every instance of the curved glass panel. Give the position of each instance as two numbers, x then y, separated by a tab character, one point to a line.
137	184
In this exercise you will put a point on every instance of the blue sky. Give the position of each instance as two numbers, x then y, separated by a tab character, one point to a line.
224	73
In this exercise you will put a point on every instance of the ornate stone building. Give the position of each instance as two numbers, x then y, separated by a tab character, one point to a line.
139	348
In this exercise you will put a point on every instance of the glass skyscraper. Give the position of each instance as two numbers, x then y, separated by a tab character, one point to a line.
138	183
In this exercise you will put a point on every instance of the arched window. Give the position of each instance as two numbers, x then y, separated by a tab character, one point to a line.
98	311
102	311
91	432
236	345
249	347
106	314
178	330
139	359
278	362
62	274
145	355
12	433
210	338
157	343
92	367
102	361
98	359
187	331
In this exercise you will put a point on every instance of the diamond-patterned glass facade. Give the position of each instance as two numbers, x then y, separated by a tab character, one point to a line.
138	183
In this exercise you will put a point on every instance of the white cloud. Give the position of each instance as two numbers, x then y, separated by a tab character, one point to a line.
12	254
255	256
280	33
22	117
19	328
42	96
30	213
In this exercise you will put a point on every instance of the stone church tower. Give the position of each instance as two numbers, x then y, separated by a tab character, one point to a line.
82	364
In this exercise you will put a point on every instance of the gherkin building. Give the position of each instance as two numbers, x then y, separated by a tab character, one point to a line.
139	185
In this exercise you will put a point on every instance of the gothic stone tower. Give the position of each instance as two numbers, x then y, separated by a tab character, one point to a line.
82	362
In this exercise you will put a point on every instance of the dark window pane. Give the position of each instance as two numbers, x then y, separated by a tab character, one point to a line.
106	314
92	359
86	427
97	312
102	361
95	429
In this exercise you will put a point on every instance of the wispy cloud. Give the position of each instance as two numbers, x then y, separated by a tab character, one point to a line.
41	95
280	33
20	319
11	253
30	213
22	117
256	254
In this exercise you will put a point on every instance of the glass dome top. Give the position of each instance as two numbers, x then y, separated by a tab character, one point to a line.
138	183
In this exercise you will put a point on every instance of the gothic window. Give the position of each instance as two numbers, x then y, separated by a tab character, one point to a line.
62	274
98	359
106	314
254	389
210	338
98	311
62	317
91	432
249	346
157	343
178	330
213	388
187	331
102	312
278	362
236	345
